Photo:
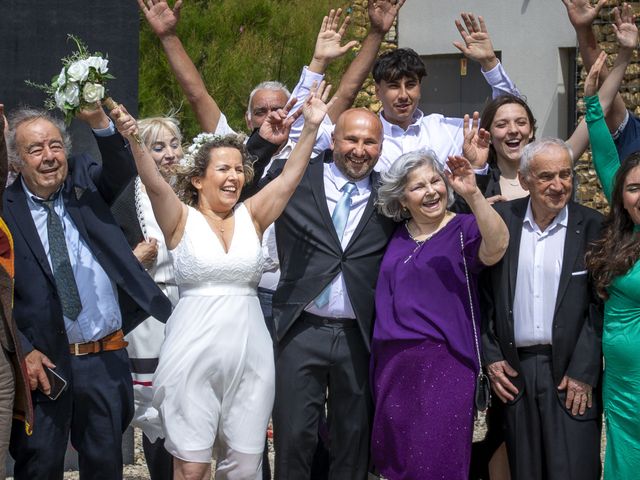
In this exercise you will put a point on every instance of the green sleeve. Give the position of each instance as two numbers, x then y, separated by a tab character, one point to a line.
603	150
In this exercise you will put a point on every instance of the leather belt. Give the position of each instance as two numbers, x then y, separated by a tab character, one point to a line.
328	321
113	341
535	350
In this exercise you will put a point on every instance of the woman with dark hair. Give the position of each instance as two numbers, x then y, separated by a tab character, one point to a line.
512	126
614	263
497	138
214	385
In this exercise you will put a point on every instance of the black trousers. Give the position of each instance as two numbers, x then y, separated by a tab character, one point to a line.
315	357
159	461
95	410
544	441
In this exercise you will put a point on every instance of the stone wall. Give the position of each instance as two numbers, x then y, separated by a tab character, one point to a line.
589	190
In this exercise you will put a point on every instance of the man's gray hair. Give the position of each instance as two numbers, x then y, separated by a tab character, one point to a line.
394	181
269	85
538	146
29	114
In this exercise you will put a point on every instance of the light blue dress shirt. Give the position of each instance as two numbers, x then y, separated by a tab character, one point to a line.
100	313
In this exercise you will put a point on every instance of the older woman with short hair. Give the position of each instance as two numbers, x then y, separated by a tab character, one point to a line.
425	340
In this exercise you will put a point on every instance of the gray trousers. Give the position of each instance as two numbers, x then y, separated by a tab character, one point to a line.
7	392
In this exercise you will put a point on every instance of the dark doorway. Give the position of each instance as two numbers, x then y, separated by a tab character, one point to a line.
453	86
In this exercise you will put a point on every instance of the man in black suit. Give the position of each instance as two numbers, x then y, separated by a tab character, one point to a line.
78	287
542	324
330	243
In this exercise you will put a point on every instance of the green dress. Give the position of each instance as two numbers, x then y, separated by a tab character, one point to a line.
621	332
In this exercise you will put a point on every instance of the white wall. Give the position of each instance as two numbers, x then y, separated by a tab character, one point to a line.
529	33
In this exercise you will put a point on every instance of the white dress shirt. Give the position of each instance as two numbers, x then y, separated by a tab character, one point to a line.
539	267
443	135
339	305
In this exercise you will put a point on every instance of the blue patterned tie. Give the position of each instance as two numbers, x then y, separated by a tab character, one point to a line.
62	271
339	218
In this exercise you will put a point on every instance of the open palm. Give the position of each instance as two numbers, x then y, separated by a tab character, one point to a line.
328	43
625	27
162	19
461	176
581	12
382	13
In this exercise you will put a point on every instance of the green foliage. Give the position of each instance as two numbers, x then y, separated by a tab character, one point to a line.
235	44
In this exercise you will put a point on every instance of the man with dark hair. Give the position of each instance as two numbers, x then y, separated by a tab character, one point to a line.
398	74
78	290
396	64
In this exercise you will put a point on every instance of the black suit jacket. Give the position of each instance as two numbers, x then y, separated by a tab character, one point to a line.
577	321
88	191
310	253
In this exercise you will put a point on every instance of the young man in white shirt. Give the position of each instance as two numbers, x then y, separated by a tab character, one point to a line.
398	75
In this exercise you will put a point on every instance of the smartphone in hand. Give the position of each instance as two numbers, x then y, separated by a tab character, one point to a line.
57	384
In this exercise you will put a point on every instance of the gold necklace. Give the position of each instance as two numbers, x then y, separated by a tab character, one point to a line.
214	217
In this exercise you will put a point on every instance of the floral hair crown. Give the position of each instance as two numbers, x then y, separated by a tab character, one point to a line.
196	144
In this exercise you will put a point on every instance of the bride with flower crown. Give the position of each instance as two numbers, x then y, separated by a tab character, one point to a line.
214	385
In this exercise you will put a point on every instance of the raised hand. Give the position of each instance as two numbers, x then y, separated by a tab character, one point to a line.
461	176
591	82
276	126
624	26
328	43
124	122
582	13
475	147
477	44
162	19
94	116
382	13
316	106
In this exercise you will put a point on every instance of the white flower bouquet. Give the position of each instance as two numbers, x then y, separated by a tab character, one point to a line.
80	83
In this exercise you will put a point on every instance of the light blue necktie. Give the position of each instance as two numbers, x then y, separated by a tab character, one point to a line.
339	218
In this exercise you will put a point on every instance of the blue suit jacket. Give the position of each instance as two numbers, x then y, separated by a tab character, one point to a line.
88	191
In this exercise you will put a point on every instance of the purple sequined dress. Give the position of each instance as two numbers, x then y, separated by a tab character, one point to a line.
424	360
